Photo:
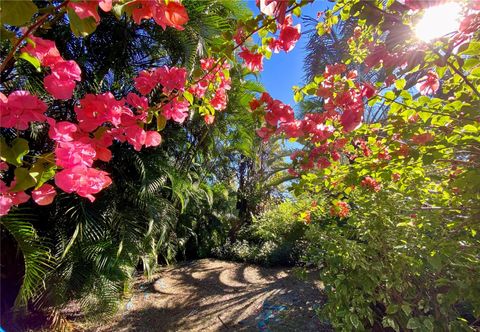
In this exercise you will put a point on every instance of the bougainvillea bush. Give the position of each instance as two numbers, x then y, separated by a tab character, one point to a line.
398	245
389	144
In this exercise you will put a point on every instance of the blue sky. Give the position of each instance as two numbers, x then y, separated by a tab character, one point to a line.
284	70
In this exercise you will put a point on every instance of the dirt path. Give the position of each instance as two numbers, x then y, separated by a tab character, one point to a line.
213	295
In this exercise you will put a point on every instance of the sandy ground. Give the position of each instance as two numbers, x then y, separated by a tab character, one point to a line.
213	295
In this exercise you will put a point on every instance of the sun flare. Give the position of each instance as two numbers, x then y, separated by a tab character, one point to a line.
438	21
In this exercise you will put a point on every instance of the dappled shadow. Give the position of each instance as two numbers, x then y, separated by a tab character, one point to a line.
212	295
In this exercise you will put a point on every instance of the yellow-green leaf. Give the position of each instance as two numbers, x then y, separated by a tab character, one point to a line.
161	122
34	61
81	28
17	13
23	179
14	154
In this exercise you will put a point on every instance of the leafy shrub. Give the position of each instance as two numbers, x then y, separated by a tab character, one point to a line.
383	267
275	237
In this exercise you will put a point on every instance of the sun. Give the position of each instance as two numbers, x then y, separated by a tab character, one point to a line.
438	21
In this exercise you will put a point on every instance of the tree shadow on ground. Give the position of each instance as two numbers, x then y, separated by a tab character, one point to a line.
212	295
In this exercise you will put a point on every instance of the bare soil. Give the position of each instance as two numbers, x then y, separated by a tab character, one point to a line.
213	295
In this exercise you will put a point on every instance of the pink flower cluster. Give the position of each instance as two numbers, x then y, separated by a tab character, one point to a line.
288	37
9	198
215	77
343	104
76	149
101	120
165	13
253	61
370	183
338	96
64	74
169	78
19	109
172	80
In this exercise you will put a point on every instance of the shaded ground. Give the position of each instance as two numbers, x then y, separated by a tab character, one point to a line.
213	295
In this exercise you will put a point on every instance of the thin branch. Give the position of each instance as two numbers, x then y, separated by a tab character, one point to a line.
30	30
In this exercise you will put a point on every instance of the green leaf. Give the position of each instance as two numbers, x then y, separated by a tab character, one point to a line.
298	96
24	179
473	49
17	13
470	128
262	33
13	155
414	323
6	34
297	12
428	324
34	61
470	63
42	171
355	321
400	83
392	308
406	309
81	28
189	97
161	122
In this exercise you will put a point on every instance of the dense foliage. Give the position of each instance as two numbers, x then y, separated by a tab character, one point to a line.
134	133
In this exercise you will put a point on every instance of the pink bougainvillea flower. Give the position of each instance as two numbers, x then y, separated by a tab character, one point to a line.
254	104
140	103
340	209
219	100
199	89
103	154
153	138
19	109
94	110
176	110
428	84
61	82
136	136
44	50
323	162
69	154
9	199
175	15
3	166
253	61
276	8
61	131
146	81
289	34
351	120
83	180
141	9
421	139
88	8
291	129
209	119
173	78
265	133
370	183
368	90
44	195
